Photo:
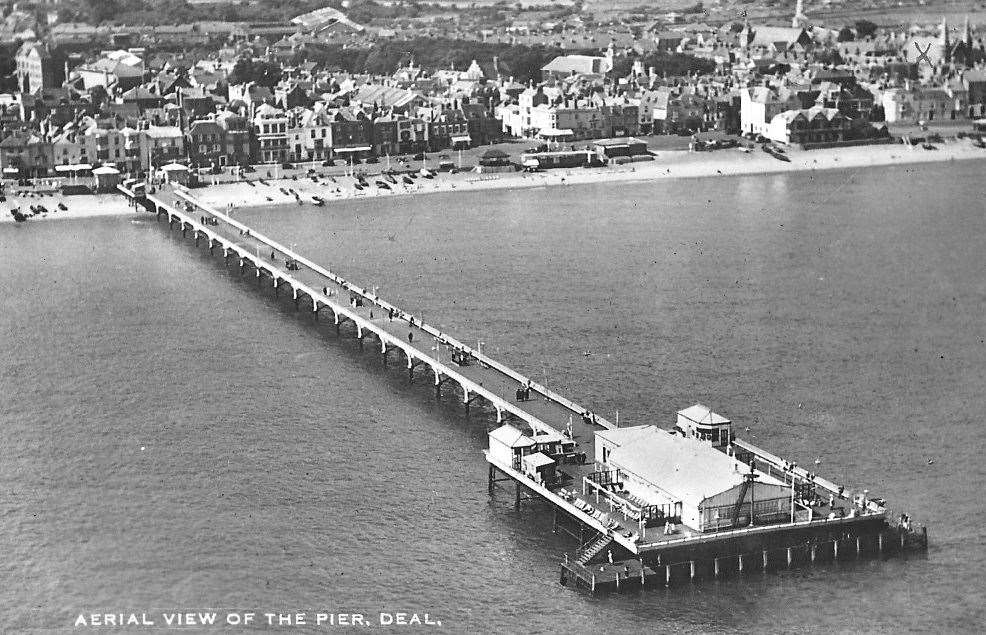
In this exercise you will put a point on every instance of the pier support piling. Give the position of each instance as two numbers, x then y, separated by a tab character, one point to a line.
835	550
764	559
788	557
879	543
715	567
740	564
667	575
813	550
859	547
691	572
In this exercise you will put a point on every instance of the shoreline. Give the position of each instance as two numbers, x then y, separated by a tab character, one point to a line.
79	206
665	166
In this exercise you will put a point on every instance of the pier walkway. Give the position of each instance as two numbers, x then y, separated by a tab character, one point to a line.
395	332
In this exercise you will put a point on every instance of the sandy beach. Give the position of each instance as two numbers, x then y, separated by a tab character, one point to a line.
666	165
79	206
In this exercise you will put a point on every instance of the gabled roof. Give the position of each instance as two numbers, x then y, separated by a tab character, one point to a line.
567	64
700	413
511	437
204	126
688	469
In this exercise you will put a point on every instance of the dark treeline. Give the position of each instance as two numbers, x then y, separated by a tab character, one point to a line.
157	12
519	61
670	64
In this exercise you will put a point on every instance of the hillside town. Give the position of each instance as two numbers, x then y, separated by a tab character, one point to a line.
215	96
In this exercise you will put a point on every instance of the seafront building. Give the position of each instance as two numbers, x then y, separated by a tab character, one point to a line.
800	84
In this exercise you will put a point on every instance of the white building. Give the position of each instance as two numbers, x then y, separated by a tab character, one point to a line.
709	489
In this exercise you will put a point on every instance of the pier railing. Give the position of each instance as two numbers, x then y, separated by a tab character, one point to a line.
543	390
780	464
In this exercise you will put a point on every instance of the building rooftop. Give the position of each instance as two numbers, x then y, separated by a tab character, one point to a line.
688	469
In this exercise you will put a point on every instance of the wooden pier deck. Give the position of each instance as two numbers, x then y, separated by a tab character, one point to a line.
323	292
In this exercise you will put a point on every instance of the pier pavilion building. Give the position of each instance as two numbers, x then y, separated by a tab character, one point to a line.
710	490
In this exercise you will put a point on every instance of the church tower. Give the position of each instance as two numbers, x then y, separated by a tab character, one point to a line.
944	43
800	20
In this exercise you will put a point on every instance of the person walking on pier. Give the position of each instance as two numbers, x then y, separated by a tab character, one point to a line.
410	336
609	555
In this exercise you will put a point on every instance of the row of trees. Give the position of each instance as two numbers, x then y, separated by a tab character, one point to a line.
157	12
522	62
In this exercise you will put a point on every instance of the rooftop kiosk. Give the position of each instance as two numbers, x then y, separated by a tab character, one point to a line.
699	422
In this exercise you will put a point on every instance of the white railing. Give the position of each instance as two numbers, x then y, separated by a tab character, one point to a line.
385	338
568	404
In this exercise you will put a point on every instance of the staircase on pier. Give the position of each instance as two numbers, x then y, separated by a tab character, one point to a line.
593	549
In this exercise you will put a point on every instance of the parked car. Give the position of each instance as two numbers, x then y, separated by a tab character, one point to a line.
287	166
328	163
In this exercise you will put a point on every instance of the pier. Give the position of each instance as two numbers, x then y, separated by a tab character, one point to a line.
546	444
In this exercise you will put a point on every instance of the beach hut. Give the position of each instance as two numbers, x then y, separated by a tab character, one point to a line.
175	173
107	178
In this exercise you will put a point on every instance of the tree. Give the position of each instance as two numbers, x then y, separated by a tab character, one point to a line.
259	72
865	28
846	35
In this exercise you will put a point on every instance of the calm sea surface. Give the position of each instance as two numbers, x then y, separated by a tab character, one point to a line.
174	438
